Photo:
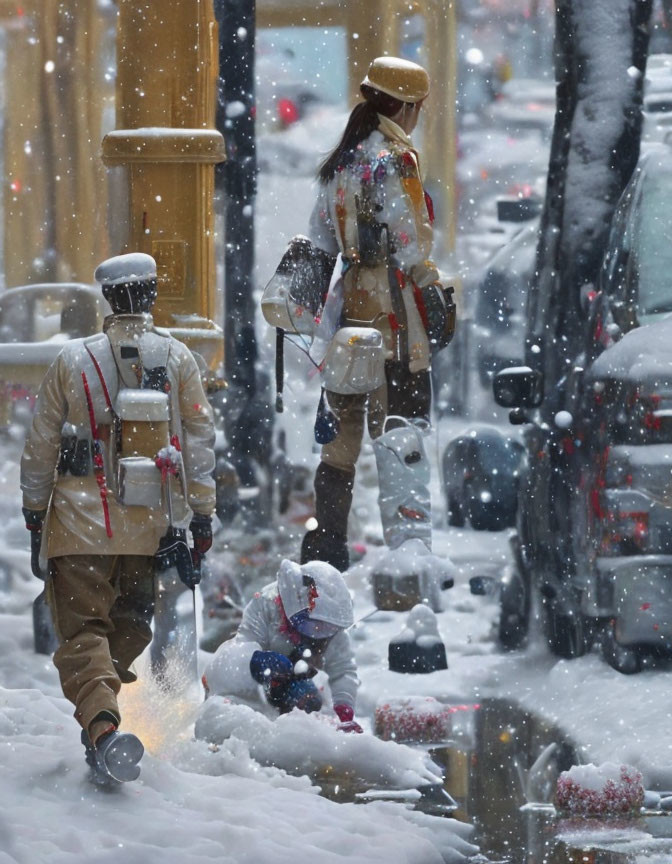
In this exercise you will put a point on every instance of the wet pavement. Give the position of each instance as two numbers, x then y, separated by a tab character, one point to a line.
495	773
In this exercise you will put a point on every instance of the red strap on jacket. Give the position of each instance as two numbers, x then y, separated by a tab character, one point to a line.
98	466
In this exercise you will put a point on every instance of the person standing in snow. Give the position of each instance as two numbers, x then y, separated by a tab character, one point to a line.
119	460
291	629
373	210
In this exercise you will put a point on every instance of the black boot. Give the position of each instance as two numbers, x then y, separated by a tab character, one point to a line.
333	497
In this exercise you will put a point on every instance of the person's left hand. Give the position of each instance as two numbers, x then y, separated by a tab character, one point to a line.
346	714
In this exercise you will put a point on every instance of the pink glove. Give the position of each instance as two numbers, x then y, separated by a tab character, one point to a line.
346	714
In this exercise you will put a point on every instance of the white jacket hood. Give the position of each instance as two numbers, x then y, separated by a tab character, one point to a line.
332	600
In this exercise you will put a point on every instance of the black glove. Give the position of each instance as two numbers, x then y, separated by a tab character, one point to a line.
173	551
34	522
201	530
34	518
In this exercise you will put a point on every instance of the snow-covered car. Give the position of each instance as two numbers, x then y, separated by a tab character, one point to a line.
613	522
498	333
289	67
634	281
481	472
35	321
525	104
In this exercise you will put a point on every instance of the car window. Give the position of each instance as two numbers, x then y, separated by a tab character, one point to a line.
620	239
653	248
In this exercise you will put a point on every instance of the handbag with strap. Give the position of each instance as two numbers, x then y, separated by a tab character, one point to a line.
294	296
298	289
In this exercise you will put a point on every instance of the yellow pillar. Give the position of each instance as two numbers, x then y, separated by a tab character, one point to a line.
440	151
372	32
53	92
166	147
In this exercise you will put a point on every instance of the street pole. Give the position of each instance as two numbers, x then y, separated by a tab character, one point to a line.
246	411
236	184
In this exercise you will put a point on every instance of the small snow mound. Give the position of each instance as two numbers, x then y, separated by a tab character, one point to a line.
600	790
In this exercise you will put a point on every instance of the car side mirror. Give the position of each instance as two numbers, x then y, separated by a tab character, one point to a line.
518	387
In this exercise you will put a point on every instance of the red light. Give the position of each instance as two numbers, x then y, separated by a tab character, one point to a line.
287	111
19	11
15	186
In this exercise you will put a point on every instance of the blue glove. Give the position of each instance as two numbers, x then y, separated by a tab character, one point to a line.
279	667
301	694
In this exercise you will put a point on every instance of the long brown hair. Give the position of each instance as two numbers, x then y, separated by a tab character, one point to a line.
361	123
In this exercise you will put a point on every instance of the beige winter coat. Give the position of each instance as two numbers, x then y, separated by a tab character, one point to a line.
387	165
75	522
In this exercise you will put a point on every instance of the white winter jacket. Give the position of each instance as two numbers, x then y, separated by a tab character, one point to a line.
387	166
262	630
75	521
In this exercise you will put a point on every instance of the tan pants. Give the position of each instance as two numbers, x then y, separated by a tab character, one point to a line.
102	607
403	393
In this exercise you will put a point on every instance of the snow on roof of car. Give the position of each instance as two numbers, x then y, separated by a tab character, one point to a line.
642	354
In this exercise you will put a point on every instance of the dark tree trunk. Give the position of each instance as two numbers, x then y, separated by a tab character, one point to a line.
600	59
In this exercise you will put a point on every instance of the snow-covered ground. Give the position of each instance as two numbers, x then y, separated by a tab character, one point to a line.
195	804
227	803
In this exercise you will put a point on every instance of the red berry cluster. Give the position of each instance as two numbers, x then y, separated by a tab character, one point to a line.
624	795
409	722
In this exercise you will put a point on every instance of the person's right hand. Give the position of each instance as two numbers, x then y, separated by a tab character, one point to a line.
34	518
268	667
34	523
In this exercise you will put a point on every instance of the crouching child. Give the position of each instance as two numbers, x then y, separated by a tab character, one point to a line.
291	629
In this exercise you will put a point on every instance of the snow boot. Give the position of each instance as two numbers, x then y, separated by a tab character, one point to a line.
333	497
403	482
100	779
114	757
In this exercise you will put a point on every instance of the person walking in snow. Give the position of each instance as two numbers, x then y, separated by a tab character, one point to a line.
291	629
118	462
373	210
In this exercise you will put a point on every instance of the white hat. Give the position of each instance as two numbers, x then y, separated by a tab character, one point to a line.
332	602
134	267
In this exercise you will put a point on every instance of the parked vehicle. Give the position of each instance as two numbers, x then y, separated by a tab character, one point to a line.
35	320
602	565
594	526
481	471
634	280
499	316
657	104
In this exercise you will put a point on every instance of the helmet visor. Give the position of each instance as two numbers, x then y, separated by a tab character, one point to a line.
311	627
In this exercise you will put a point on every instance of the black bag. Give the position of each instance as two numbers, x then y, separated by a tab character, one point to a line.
437	310
326	422
298	289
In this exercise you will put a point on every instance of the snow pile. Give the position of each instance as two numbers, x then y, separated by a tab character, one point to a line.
309	743
413	557
421	627
195	808
603	790
417	719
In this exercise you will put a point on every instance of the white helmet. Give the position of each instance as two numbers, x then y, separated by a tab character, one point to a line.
315	592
